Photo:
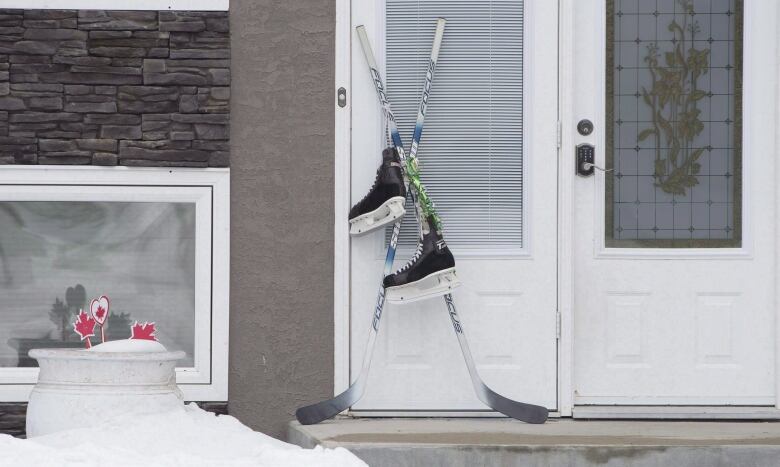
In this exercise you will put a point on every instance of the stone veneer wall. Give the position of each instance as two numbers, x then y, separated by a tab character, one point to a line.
141	88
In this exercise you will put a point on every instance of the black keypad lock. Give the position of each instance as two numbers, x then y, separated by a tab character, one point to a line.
586	154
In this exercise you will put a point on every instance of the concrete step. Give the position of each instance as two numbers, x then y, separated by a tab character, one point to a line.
560	442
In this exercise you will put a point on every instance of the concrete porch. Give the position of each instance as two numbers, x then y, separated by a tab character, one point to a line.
562	442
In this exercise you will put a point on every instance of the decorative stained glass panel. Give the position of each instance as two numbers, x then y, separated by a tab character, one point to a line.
673	139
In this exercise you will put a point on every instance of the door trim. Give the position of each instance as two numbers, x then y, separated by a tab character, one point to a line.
342	181
677	412
777	217
342	157
565	206
342	246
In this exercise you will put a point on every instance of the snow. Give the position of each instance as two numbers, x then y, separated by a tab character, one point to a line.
129	345
188	436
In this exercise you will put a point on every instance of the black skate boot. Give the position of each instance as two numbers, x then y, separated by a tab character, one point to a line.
384	203
429	273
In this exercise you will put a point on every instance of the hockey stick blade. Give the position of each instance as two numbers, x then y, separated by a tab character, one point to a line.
522	411
528	413
324	410
315	413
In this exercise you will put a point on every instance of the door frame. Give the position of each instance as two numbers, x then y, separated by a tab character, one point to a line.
567	141
342	341
565	207
345	41
342	180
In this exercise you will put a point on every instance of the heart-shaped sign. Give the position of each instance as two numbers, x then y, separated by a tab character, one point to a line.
99	309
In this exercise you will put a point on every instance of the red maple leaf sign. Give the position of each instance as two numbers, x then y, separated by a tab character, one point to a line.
84	326
143	331
100	313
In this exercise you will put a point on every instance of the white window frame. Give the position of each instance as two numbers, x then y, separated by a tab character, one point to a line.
209	189
183	5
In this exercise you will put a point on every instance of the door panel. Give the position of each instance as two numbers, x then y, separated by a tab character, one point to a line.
492	173
674	257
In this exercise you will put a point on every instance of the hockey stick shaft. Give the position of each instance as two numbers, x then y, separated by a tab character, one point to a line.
379	86
316	413
418	125
423	205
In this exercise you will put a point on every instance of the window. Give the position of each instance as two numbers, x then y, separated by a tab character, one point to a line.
674	123
154	241
471	152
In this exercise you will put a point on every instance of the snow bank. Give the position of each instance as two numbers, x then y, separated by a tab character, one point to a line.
186	437
129	345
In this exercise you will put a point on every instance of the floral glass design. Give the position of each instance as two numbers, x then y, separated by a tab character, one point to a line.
674	123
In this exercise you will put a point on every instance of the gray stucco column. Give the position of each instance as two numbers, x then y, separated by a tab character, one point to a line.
281	321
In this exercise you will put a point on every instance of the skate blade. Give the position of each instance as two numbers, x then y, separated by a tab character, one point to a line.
433	285
390	211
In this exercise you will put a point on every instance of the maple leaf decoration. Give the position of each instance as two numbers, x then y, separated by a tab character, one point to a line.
100	313
85	326
143	331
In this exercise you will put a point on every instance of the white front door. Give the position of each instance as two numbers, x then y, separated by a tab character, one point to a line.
675	248
488	158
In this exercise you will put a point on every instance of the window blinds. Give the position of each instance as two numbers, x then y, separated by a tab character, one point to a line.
471	152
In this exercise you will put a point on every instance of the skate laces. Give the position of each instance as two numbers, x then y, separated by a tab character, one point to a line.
413	259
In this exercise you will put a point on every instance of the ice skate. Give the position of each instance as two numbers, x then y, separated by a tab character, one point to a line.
384	203
429	273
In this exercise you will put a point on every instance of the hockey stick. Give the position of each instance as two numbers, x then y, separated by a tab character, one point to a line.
525	412
528	413
324	410
519	410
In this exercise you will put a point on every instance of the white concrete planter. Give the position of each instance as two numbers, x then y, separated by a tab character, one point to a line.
78	388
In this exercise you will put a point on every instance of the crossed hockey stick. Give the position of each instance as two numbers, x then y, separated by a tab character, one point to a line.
324	410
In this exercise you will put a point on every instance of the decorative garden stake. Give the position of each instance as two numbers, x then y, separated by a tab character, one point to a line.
85	327
99	309
114	378
143	331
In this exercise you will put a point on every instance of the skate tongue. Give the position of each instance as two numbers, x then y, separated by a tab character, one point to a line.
390	155
435	236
